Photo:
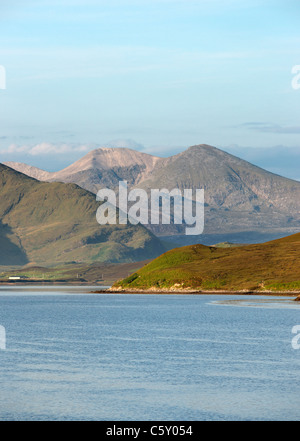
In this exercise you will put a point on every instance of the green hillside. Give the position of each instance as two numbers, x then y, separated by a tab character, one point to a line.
102	273
50	223
271	266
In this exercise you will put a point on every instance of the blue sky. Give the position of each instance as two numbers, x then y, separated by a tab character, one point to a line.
165	73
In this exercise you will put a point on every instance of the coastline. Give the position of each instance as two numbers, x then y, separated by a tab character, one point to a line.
50	283
197	292
108	289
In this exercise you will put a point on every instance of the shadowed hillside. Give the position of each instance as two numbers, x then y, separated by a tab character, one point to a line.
49	223
11	252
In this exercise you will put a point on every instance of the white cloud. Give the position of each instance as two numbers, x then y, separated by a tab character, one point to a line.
45	148
13	148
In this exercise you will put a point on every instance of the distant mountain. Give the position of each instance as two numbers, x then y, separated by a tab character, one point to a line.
51	223
239	197
272	266
99	168
279	159
29	170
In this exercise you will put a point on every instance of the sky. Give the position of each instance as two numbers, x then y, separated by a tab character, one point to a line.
155	75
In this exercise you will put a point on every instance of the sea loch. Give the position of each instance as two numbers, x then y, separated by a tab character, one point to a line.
71	355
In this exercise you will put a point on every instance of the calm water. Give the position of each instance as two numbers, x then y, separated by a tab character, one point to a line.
76	356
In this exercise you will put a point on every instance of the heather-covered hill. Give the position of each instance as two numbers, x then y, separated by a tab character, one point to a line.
270	266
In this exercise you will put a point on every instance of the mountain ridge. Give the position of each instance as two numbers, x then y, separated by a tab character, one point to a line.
239	196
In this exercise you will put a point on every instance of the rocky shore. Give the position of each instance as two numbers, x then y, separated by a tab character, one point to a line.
116	290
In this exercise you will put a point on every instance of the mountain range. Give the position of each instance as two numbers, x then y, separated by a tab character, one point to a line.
241	199
52	223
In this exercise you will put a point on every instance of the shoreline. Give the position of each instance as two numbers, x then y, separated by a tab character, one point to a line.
49	283
197	292
109	290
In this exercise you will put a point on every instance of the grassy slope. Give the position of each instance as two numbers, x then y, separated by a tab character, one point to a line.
272	266
101	273
50	223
